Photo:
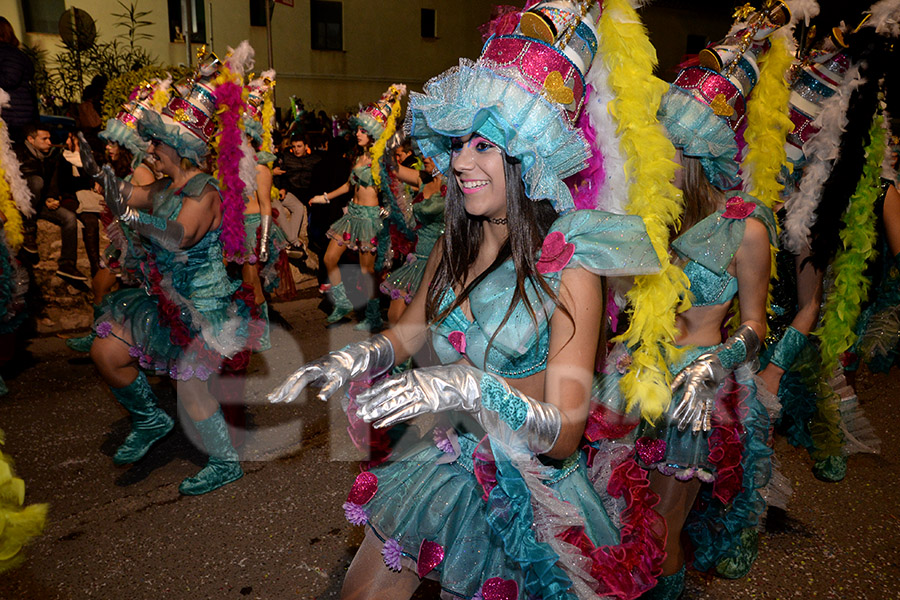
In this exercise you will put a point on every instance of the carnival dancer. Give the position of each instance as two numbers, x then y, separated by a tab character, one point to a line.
126	152
512	298
264	242
190	320
428	212
358	229
711	439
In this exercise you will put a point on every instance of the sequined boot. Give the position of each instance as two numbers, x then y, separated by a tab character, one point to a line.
83	344
668	587
832	469
342	304
223	466
149	423
373	321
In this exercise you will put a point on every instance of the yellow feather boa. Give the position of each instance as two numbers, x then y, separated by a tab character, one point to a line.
13	225
769	122
378	149
654	299
268	118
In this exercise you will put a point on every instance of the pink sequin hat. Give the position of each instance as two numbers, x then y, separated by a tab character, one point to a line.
815	79
704	110
187	123
524	93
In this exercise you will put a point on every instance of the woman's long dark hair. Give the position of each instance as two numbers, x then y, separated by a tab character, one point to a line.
528	223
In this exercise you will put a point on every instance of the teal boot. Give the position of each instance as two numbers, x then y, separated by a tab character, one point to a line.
149	423
373	321
223	466
667	588
83	344
265	340
832	469
342	304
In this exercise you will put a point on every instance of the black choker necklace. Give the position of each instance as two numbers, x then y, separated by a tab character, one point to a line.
502	221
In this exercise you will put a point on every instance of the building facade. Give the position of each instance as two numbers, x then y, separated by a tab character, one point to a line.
333	54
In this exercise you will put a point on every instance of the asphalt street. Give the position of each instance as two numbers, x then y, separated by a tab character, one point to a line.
280	532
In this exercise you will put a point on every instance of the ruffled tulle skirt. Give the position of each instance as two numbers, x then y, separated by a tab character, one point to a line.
732	459
268	271
358	229
404	282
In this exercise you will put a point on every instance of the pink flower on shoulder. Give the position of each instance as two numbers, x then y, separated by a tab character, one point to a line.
555	253
736	208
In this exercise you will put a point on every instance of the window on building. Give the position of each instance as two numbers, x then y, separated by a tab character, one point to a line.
429	29
258	13
42	16
326	20
197	17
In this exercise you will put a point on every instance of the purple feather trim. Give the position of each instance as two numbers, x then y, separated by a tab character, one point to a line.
391	553
355	513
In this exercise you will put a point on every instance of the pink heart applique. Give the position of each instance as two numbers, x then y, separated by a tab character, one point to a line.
649	450
431	555
736	208
555	253
363	489
457	339
497	588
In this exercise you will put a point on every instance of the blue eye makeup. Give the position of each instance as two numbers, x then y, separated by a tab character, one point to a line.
477	142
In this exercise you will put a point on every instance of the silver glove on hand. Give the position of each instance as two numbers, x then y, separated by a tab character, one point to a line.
112	192
265	228
88	164
701	378
333	371
458	387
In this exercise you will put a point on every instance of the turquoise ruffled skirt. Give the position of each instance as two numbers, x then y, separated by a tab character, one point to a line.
268	271
419	499
404	282
358	229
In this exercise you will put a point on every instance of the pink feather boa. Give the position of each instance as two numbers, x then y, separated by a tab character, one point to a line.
230	105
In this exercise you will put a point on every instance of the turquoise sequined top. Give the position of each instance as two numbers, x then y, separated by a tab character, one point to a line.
711	244
600	242
198	272
361	176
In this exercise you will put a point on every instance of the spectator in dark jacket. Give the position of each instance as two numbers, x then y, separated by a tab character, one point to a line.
40	164
17	79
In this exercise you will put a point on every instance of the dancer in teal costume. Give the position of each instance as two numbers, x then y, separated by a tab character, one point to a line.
189	319
498	496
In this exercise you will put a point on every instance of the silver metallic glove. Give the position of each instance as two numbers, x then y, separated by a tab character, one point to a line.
265	226
463	388
116	192
88	164
702	378
369	358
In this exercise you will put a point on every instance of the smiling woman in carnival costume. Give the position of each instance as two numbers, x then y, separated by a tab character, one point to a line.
189	320
501	503
359	228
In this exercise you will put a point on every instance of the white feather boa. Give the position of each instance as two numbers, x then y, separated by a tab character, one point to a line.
18	188
822	150
241	59
885	18
613	193
247	167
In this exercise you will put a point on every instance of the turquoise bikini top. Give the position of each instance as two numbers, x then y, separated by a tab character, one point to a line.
362	176
600	242
711	244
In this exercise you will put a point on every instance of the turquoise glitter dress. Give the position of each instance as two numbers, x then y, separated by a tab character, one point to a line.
548	529
189	318
429	215
732	458
358	229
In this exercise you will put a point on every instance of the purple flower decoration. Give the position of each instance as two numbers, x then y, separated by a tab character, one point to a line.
391	553
202	372
173	372
104	329
478	596
442	440
146	361
135	352
186	372
395	294
355	513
